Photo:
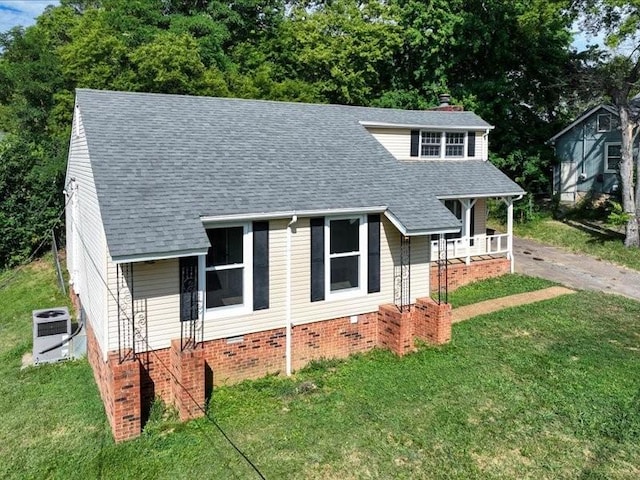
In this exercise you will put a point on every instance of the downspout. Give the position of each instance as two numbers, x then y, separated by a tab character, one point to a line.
288	326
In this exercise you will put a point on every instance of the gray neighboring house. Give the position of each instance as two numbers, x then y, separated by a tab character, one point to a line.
211	240
588	151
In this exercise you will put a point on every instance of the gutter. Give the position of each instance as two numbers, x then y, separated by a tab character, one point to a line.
290	214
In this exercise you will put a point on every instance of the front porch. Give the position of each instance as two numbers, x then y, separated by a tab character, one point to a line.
475	241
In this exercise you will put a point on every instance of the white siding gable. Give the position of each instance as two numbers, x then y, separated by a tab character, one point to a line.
86	241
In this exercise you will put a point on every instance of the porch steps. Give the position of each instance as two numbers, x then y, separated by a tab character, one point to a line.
489	306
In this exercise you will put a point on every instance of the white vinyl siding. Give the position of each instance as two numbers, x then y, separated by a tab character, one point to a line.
397	141
86	249
305	311
158	282
156	285
480	220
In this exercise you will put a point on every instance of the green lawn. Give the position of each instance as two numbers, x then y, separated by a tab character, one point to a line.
495	288
548	390
581	240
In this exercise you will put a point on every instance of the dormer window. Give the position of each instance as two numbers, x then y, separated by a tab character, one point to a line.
454	144
442	145
430	144
604	122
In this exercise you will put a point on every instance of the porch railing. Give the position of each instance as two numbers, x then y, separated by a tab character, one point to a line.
473	246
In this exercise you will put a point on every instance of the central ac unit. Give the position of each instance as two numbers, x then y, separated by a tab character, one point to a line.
51	331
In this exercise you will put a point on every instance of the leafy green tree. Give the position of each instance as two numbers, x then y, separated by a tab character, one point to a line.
616	76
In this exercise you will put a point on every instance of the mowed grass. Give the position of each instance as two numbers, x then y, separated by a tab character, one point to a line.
503	286
548	390
578	240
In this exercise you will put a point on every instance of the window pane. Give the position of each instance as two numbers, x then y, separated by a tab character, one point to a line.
455	138
613	163
454	151
614	151
430	151
345	235
344	272
224	287
226	246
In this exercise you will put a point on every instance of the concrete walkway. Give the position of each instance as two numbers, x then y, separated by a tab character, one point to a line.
577	271
493	305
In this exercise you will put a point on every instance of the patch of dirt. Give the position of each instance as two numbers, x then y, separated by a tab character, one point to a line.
27	360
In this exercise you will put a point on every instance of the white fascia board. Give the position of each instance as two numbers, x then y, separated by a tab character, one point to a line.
581	119
417	233
482	195
149	257
243	217
438	127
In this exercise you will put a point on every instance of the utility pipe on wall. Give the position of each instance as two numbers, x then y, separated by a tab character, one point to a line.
288	326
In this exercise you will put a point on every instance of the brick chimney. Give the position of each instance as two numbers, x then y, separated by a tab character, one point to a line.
445	106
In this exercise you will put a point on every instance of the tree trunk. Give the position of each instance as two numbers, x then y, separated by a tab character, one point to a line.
632	237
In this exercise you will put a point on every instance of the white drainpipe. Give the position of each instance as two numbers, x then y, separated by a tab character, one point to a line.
288	325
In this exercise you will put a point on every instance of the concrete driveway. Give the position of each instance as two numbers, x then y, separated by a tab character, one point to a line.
574	270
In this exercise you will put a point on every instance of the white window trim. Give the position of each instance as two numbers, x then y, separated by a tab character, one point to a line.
247	278
606	157
443	145
362	288
602	130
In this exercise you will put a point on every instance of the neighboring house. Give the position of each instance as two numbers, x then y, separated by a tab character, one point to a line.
588	151
212	240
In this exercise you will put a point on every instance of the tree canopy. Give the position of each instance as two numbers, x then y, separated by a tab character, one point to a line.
505	60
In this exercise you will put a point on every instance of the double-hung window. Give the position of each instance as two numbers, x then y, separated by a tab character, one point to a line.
227	267
430	144
345	254
612	157
454	144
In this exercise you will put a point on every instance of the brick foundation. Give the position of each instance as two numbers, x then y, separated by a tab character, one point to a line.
336	338
395	329
120	389
432	321
182	378
460	274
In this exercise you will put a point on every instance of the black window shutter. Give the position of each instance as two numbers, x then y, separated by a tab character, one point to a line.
471	144
260	265
188	288
317	259
415	142
373	248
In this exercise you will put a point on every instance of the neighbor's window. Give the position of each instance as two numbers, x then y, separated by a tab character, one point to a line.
225	267
454	142
612	157
604	122
344	254
430	144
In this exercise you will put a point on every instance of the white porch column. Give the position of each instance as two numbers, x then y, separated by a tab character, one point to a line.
509	202
467	205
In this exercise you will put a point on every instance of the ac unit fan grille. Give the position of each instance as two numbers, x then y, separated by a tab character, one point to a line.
52	328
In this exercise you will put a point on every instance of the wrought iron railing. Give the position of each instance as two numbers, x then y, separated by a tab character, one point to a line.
402	276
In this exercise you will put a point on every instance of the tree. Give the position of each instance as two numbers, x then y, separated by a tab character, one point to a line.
617	76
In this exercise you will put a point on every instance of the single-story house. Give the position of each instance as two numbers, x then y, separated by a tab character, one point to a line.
588	153
211	240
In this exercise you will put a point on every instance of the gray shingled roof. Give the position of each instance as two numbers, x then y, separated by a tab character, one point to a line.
161	162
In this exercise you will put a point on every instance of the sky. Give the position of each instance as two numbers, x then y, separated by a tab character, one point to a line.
21	12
